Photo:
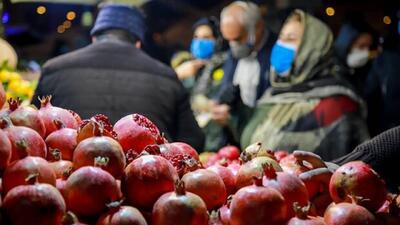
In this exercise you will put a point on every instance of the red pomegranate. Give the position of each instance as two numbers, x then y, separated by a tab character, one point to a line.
358	179
182	160
227	177
34	204
101	151
2	96
229	152
279	155
234	167
89	189
290	186
24	116
192	209
348	214
64	140
187	149
210	159
146	179
60	167
24	141
71	219
252	169
302	216
121	215
17	172
225	212
5	151
258	205
135	132
49	114
301	161
201	182
89	128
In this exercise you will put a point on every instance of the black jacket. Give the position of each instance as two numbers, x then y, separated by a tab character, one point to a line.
116	79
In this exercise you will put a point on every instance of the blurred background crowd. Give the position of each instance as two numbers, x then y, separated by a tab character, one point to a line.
317	75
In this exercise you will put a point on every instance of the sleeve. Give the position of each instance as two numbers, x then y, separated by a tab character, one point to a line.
187	129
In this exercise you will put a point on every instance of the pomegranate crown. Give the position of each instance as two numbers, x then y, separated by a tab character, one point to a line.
301	211
13	104
44	100
180	187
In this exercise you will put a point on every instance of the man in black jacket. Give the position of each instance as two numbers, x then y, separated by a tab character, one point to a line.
113	76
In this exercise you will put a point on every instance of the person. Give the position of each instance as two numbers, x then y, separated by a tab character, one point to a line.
246	69
113	76
201	70
381	90
309	106
355	47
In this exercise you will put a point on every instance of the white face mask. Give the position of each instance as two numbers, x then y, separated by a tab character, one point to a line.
357	58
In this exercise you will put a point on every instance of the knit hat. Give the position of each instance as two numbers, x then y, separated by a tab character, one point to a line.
117	16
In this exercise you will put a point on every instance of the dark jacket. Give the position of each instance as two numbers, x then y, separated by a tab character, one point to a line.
116	79
263	57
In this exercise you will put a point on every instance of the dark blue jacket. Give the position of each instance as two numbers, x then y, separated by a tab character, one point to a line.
263	57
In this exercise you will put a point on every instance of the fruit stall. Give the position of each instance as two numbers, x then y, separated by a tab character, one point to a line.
57	169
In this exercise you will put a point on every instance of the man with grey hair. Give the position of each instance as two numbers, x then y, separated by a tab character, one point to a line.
246	70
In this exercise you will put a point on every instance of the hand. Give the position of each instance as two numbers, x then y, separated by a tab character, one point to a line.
220	113
189	68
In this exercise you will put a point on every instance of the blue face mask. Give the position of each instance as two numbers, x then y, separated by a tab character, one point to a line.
282	58
202	48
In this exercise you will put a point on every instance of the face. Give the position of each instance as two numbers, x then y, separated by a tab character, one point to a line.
203	32
292	33
363	42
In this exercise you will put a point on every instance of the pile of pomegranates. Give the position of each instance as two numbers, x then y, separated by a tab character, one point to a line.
59	169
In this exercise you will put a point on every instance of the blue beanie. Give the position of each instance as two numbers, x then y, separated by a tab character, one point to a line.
114	16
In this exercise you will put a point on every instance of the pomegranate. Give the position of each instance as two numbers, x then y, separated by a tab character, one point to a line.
121	215
301	161
146	179
24	116
187	149
290	186
254	168
227	177
34	204
225	212
60	167
256	150
5	151
89	128
352	179
201	182
348	214
302	216
258	205
17	172
70	219
279	155
135	132
2	96
192	209
234	167
101	151
209	158
182	161
63	140
76	116
229	152
89	189
24	140
49	114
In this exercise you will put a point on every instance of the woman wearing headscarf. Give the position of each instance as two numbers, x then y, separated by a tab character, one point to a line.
309	105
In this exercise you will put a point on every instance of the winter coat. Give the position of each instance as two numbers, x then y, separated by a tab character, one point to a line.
313	108
116	79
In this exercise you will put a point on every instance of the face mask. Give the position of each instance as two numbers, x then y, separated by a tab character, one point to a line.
357	58
282	58
240	50
202	48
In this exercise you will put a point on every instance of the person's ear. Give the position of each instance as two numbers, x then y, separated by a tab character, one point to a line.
138	44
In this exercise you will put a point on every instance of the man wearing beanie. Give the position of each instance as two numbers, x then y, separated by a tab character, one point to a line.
113	76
